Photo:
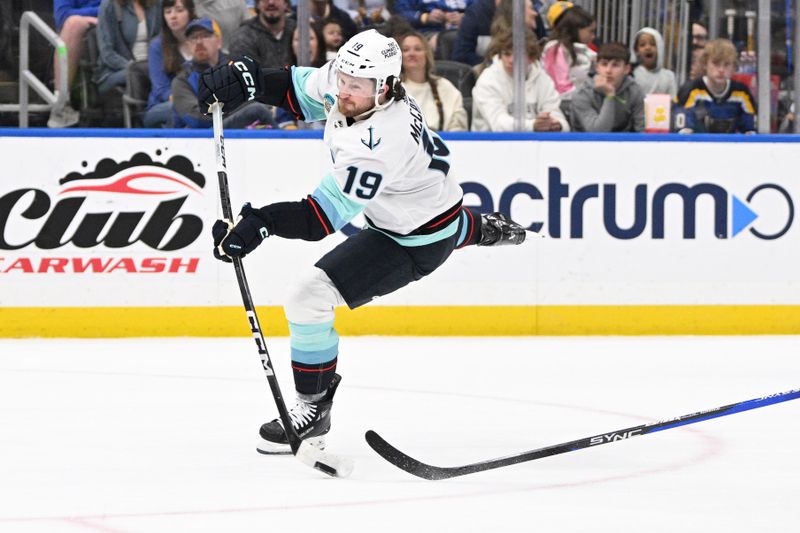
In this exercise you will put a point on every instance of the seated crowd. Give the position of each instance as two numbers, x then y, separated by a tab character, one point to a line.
571	82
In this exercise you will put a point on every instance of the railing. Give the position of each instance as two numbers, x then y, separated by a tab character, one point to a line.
28	80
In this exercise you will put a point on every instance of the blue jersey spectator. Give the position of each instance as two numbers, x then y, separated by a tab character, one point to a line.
715	103
63	9
433	15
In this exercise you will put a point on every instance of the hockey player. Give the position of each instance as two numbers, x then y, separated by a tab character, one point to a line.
387	164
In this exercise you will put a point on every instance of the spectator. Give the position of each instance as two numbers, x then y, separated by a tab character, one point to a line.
365	13
168	52
333	37
699	39
567	57
476	27
650	74
715	103
611	101
441	103
316	51
228	14
124	31
325	9
503	19
493	95
432	16
699	35
267	37
73	20
283	118
206	45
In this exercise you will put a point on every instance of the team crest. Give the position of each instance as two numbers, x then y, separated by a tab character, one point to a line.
371	144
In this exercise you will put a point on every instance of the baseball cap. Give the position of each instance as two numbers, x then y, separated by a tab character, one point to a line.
555	12
204	23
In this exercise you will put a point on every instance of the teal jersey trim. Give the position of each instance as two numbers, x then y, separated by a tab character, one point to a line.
339	208
421	240
463	234
312	109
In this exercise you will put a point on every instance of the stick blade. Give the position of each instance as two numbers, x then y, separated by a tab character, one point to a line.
327	463
405	462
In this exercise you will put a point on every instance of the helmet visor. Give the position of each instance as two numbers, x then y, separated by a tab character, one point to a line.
352	86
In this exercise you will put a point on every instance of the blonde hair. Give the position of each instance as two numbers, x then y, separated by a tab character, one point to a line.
429	76
426	46
718	50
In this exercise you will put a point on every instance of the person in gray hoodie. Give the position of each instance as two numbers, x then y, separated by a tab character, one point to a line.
610	101
650	74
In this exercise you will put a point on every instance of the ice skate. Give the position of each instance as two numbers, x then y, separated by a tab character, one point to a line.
499	230
311	419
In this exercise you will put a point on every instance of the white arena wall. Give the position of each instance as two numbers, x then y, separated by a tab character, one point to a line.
107	233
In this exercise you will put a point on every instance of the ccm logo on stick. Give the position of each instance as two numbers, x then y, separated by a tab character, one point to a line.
611	437
248	79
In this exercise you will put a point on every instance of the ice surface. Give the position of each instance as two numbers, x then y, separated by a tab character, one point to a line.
158	435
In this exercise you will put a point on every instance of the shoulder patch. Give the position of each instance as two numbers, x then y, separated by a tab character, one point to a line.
328	103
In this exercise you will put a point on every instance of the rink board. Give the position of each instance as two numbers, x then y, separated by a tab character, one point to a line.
106	233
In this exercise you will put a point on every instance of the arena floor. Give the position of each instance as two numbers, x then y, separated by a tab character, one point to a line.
158	435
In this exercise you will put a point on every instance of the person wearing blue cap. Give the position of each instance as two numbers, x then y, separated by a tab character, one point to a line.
206	45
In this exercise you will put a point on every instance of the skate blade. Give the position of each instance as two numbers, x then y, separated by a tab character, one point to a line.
266	447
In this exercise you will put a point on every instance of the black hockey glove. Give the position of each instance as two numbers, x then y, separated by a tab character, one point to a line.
233	84
242	238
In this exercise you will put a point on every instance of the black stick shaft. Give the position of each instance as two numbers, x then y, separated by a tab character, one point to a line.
425	471
244	288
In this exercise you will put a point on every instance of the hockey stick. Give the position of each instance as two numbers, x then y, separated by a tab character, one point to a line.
324	462
425	471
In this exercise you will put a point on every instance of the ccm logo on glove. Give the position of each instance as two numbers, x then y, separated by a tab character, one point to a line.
247	77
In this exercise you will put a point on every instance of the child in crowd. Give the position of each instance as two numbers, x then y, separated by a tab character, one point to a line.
442	104
168	52
650	74
715	103
493	95
567	57
333	35
611	101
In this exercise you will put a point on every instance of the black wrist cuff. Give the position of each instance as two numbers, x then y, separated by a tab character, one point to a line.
278	90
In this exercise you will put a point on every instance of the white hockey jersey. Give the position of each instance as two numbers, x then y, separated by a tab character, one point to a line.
389	165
